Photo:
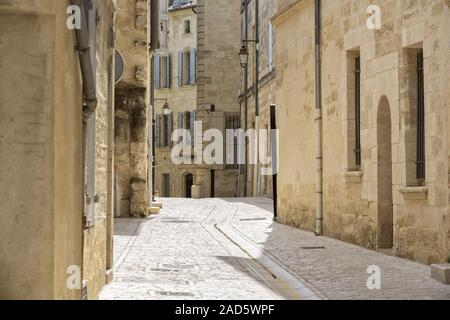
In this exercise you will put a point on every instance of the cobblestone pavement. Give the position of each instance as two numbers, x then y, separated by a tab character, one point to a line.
231	249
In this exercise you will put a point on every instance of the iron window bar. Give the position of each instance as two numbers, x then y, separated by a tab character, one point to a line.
358	112
420	119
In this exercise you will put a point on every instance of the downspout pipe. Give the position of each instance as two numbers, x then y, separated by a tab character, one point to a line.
256	93
84	54
318	121
246	100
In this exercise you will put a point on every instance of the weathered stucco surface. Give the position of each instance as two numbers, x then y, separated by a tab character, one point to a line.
421	227
41	142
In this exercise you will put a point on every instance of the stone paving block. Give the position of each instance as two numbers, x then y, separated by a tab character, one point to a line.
174	256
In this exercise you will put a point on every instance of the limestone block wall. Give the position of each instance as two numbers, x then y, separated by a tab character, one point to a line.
266	79
218	72
132	40
132	101
218	46
131	152
352	196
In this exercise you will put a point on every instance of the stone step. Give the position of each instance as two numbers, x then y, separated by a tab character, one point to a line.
441	273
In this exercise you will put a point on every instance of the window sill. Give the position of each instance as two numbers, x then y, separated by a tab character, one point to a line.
353	176
414	193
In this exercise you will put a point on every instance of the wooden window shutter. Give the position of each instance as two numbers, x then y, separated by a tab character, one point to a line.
193	118
168	75
180	68
180	123
157	72
193	67
169	129
158	131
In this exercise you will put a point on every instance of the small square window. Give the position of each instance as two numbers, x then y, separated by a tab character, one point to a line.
187	26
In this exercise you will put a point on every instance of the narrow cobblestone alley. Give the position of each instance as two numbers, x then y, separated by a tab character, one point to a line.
231	249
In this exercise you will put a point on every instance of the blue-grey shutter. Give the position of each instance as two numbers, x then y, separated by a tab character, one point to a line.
193	66
169	129
180	68
180	122
193	118
157	72
158	131
168	73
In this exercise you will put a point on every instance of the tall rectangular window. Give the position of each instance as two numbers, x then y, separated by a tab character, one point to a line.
358	111
187	27
232	122
420	118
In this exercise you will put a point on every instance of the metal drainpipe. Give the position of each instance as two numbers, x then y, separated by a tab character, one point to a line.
84	54
318	120
256	171
246	101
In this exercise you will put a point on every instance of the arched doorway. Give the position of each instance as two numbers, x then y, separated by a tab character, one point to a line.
385	208
188	183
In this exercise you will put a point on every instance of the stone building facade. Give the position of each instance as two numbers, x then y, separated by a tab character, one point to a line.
257	184
56	149
176	84
218	75
385	109
203	79
132	161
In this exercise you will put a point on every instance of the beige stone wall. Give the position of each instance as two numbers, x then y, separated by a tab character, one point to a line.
132	101
218	46
41	146
218	79
421	223
132	41
266	95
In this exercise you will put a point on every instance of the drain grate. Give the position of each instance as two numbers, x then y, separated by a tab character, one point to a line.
178	266
164	270
174	294
313	248
176	221
134	280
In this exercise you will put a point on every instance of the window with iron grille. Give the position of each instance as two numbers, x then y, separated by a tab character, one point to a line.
233	122
358	112
420	119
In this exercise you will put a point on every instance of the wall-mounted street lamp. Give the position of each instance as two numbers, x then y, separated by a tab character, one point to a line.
167	110
243	53
243	56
